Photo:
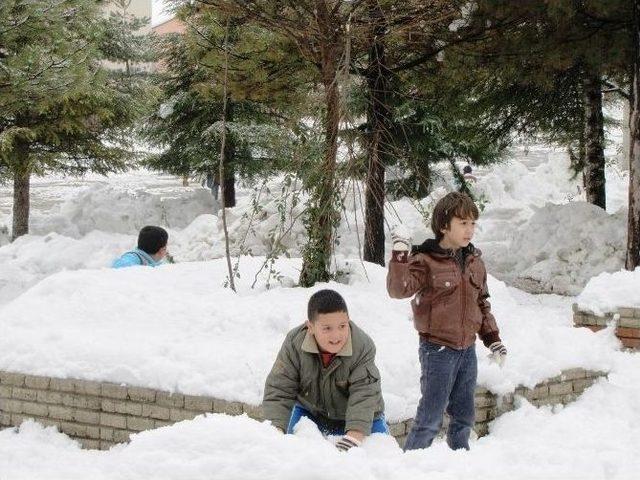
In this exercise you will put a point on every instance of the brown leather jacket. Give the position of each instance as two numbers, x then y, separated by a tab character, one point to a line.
450	305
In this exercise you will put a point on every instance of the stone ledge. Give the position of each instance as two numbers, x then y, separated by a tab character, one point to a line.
100	415
626	320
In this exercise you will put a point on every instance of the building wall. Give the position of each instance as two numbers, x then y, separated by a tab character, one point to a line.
172	25
138	8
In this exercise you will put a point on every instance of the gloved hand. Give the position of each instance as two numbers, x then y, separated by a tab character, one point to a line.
401	238
498	353
346	443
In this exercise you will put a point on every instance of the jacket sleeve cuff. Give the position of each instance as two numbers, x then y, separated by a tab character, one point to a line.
399	256
359	425
490	338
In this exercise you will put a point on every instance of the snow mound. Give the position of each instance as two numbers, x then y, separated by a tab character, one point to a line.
562	246
124	210
609	291
177	328
31	258
528	180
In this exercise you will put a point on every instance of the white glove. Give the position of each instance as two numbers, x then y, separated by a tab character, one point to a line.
401	238
346	443
498	353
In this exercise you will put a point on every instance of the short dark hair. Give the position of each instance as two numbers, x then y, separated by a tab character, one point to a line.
467	169
454	204
151	239
325	301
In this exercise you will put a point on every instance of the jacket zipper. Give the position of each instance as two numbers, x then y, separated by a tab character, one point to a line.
463	292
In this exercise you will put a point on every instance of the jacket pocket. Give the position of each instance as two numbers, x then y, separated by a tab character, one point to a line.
429	302
445	304
342	386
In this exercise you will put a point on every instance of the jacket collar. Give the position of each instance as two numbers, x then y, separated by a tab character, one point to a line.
431	246
150	261
310	345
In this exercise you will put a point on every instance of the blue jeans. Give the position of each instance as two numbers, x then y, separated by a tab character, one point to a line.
331	427
448	381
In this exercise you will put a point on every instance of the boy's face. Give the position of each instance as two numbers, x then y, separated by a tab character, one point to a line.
160	254
330	330
459	233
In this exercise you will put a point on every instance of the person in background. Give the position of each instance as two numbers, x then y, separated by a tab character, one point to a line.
467	173
151	251
212	182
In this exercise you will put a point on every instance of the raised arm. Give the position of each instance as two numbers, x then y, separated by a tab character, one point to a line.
407	274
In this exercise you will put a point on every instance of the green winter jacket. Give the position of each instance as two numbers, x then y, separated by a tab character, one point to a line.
348	390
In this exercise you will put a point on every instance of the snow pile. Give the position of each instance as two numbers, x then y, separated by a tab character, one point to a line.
528	180
177	328
118	210
609	291
562	246
617	188
268	220
31	258
588	439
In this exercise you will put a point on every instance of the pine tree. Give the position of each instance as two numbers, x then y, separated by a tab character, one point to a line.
58	109
318	32
123	43
186	121
576	46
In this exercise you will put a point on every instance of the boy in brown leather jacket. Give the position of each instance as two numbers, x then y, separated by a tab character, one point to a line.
449	281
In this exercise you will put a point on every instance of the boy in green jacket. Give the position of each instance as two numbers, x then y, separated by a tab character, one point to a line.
325	371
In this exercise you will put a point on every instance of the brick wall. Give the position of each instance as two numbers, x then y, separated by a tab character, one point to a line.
627	321
100	415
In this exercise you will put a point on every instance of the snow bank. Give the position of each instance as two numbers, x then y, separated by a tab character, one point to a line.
588	439
543	249
119	210
562	246
177	328
31	258
528	179
609	291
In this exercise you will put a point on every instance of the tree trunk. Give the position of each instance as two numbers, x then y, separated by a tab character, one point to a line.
229	187
633	233
322	213
623	159
594	137
379	143
229	167
21	204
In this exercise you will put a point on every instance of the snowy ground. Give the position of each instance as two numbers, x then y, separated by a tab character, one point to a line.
62	312
594	438
535	231
188	333
608	291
